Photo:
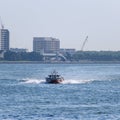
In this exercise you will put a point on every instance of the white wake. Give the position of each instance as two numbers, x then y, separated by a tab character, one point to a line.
69	81
32	81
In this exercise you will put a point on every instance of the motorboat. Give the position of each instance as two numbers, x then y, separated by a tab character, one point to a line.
54	78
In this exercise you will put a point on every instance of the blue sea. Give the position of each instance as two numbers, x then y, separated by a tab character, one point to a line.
89	92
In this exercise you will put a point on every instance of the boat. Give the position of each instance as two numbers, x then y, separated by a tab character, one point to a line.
54	78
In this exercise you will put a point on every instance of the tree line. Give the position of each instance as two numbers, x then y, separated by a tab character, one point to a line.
95	56
77	56
22	56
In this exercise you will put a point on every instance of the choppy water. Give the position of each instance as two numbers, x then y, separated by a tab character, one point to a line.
89	92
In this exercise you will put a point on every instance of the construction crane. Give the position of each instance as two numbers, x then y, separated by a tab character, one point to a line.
83	45
2	26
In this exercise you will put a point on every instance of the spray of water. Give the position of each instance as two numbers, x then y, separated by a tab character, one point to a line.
39	81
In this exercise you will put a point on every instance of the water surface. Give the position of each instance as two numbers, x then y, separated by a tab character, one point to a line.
89	92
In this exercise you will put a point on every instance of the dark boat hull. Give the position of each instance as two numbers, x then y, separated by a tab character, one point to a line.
54	81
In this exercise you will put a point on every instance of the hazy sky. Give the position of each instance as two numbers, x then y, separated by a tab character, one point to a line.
68	20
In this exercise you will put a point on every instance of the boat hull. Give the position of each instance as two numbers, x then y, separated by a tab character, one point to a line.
56	81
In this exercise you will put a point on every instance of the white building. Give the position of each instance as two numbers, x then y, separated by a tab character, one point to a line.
46	45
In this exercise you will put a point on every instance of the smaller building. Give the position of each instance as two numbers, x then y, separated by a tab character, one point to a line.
18	50
70	51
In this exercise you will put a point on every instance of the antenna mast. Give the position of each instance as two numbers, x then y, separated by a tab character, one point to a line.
84	43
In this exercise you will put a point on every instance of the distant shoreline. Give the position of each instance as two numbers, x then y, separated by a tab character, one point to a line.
67	62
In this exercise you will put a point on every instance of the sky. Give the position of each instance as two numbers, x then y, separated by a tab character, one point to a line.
68	20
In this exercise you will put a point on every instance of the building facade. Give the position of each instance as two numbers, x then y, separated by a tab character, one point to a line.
46	45
4	39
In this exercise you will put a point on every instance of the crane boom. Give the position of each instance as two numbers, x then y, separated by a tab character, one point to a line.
84	43
2	26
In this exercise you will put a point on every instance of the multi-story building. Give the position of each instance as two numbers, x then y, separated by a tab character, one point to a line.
4	39
46	45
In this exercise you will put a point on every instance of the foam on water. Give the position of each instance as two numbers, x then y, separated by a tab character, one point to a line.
33	81
69	81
